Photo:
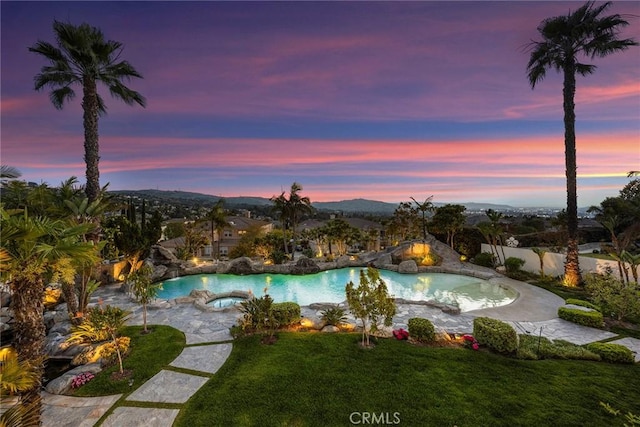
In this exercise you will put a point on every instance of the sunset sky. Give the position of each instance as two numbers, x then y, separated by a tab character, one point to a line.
376	100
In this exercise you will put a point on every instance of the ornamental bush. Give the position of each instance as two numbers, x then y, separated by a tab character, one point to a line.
592	319
495	334
610	352
485	259
513	264
582	303
421	329
286	313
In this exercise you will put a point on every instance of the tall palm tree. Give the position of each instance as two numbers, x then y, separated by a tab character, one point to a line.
84	57
34	250
565	40
297	206
217	218
424	207
281	208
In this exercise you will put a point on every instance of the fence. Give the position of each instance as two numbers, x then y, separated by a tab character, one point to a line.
554	262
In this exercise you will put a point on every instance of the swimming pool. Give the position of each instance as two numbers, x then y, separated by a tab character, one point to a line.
469	293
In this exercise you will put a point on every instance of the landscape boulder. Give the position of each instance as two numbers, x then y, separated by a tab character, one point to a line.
305	265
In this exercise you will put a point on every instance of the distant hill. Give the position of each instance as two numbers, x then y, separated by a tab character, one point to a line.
357	205
345	206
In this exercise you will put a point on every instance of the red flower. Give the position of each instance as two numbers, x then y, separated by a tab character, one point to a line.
401	334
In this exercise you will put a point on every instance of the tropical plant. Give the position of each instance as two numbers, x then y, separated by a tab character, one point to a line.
334	316
105	322
424	207
541	253
17	376
217	219
565	39
370	302
281	208
82	56
35	251
298	206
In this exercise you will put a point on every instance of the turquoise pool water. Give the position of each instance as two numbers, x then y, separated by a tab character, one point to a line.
469	293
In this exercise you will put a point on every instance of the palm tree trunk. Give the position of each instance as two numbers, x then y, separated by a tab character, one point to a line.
91	147
572	266
27	303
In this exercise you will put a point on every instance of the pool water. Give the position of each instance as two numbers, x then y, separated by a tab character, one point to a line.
469	293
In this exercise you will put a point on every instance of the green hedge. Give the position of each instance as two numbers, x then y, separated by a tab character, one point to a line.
582	303
592	319
421	329
495	334
286	313
610	352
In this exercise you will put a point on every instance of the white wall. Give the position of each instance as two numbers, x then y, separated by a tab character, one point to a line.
554	262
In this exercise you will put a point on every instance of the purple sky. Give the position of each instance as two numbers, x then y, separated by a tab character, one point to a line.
380	100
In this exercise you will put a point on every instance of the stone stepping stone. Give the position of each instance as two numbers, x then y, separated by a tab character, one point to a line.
205	358
168	387
134	417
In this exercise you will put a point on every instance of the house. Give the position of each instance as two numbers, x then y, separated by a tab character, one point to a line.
229	237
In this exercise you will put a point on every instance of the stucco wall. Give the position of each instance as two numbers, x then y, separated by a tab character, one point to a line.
554	262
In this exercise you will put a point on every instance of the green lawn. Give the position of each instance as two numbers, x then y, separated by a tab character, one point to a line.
149	354
310	379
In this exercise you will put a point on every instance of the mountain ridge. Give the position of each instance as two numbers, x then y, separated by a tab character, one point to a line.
349	205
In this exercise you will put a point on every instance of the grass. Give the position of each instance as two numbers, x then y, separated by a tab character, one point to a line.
555	286
149	354
320	379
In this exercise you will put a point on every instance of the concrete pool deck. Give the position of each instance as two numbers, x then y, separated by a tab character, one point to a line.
533	312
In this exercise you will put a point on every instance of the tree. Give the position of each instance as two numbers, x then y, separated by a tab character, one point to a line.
297	206
83	57
290	209
35	251
281	208
424	207
370	302
143	289
565	39
403	223
541	253
217	218
449	219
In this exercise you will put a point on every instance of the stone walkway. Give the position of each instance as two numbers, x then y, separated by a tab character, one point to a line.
534	312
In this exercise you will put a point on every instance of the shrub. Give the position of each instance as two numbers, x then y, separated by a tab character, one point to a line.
582	303
610	352
108	352
592	319
334	316
535	347
485	259
308	252
430	259
421	329
513	264
257	314
617	299
286	313
495	334
278	257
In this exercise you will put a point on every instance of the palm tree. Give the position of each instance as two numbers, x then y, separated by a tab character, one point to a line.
32	251
281	207
297	206
83	57
424	207
564	39
218	220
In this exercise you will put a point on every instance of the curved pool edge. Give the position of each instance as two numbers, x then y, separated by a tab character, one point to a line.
533	304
